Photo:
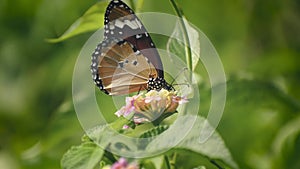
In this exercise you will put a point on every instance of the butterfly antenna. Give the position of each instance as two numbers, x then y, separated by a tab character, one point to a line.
188	85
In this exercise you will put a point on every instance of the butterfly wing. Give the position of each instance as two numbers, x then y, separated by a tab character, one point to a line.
121	22
127	57
118	68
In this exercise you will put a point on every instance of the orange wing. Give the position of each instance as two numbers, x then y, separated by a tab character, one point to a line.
121	23
122	69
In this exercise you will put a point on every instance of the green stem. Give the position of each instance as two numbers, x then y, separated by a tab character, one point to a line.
188	52
167	162
216	164
110	156
173	162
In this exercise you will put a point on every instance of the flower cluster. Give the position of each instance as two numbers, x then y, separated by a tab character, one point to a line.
150	106
123	164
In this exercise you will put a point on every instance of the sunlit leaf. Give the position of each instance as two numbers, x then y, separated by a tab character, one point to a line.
176	44
213	148
84	156
89	154
91	20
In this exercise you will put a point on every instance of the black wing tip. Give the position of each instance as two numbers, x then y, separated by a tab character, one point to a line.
117	3
94	66
105	91
98	83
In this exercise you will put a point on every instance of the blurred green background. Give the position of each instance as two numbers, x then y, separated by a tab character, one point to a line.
258	42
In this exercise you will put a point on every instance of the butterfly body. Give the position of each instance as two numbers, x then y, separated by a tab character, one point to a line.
126	60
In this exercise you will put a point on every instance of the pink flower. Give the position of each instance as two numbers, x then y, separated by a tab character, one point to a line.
123	164
125	127
180	100
128	108
150	106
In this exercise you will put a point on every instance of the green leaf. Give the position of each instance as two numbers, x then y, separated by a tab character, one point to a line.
91	20
258	94
255	111
103	132
154	131
139	5
200	167
176	44
151	133
213	148
149	165
153	163
88	154
109	135
286	146
85	156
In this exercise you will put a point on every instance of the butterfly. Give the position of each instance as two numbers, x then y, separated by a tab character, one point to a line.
127	60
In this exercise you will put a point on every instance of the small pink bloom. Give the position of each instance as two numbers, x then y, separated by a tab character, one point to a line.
123	164
150	106
180	100
125	111
125	127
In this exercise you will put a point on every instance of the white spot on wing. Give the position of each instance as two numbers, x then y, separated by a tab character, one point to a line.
137	52
138	36
134	24
138	23
119	23
111	27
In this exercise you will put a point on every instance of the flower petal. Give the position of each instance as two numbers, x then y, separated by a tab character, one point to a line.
150	106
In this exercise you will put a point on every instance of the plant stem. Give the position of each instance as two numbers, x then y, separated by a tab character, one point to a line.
188	52
216	164
167	162
110	156
173	162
